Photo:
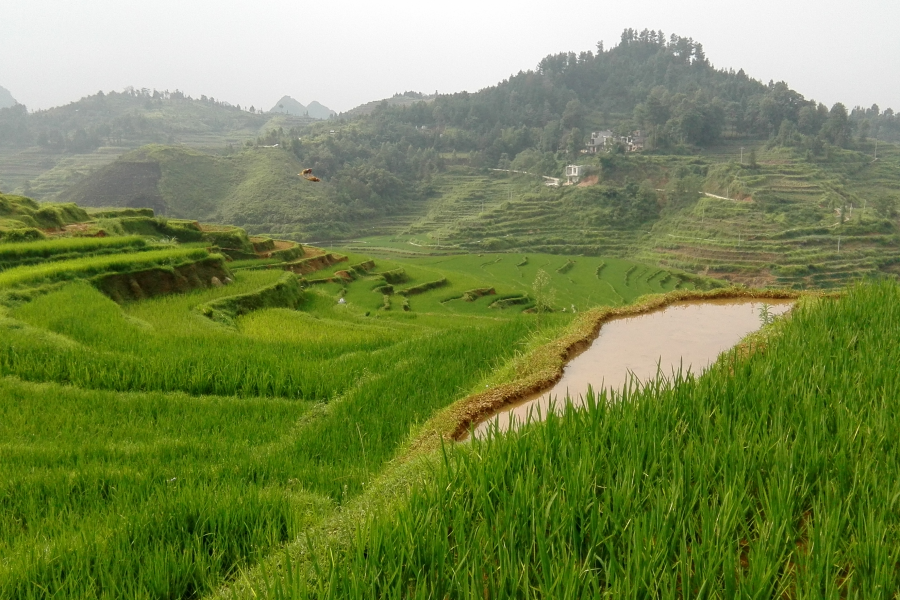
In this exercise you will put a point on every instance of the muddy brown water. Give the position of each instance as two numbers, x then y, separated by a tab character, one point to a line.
686	336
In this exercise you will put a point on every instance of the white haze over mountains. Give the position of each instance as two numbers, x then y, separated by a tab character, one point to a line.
358	51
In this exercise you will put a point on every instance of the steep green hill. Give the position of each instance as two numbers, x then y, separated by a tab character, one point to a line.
775	222
258	188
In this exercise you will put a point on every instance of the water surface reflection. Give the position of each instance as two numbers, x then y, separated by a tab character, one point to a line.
686	335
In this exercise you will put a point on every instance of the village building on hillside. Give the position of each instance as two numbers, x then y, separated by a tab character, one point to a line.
600	140
606	141
574	174
635	141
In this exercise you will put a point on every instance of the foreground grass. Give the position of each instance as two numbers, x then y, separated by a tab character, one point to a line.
775	474
149	452
107	495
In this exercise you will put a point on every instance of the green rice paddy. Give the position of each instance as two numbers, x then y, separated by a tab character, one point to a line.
150	450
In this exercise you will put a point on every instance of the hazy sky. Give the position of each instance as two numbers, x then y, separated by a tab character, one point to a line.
347	52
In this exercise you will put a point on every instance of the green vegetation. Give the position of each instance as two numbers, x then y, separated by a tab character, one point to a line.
338	367
285	293
205	432
773	225
504	273
98	265
22	212
325	379
141	495
12	254
771	475
257	189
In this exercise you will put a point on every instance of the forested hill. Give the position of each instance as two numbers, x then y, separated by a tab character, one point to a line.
128	118
664	86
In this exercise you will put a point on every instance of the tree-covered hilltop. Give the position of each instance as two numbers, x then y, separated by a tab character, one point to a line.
45	152
664	86
129	118
290	106
540	119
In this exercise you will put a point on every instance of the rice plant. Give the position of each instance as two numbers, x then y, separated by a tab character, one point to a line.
150	452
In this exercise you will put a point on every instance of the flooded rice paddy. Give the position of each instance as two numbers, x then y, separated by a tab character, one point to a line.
686	336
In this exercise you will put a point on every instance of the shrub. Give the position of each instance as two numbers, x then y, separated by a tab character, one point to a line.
285	293
395	276
423	287
24	234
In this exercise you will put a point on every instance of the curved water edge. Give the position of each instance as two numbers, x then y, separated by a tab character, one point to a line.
686	336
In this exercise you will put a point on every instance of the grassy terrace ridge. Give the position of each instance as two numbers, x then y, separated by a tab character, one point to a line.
97	265
771	475
591	281
12	253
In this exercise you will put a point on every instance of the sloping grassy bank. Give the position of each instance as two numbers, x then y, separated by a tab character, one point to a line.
285	292
99	265
775	474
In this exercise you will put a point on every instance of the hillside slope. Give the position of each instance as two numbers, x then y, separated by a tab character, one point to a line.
778	222
258	189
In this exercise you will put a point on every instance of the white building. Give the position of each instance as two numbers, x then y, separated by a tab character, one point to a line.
606	140
573	173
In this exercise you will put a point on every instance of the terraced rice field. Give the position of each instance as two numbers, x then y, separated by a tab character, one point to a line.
778	225
327	381
788	231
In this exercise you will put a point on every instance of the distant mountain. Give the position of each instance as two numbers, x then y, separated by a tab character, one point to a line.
289	106
318	111
6	99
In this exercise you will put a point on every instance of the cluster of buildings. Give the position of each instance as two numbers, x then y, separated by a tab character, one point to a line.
606	140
